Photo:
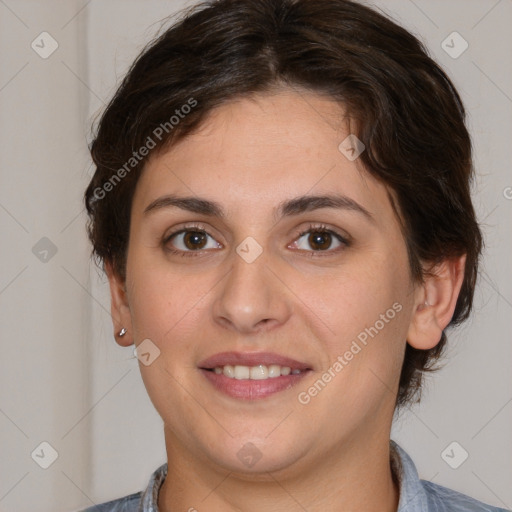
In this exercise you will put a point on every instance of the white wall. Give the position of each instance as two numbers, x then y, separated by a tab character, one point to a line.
63	379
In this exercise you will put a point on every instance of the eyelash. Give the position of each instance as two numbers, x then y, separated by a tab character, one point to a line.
320	228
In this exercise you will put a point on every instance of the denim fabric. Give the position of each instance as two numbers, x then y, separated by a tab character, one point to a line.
415	495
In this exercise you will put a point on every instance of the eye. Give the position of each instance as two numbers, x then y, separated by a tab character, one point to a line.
189	239
192	240
320	239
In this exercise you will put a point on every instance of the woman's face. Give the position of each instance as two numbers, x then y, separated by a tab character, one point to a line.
280	324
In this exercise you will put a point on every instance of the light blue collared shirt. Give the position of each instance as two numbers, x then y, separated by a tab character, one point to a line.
415	495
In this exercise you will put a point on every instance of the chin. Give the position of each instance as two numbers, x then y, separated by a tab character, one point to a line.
253	455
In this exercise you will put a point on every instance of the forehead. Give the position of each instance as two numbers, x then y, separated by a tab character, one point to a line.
253	153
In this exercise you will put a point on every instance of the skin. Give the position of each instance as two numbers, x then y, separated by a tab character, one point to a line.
331	454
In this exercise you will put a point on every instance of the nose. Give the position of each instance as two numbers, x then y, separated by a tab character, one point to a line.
251	298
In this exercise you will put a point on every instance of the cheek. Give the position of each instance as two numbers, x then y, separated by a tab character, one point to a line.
366	311
366	352
156	299
356	299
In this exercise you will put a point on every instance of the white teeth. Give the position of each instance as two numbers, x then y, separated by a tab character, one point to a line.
260	372
229	371
242	372
274	370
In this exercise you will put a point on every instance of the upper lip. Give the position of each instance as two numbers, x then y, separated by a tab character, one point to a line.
251	359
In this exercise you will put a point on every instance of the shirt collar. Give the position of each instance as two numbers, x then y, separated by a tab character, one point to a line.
412	494
149	498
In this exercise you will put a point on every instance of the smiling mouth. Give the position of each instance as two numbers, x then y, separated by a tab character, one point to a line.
259	372
252	375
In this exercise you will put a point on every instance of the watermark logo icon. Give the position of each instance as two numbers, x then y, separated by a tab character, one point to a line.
454	45
146	352
44	45
351	147
249	455
44	455
249	249
454	455
44	250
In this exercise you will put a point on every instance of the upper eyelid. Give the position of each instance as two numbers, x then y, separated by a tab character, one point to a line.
321	228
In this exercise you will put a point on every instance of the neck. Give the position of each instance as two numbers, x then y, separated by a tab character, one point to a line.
356	476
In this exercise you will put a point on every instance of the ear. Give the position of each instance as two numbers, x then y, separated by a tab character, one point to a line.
435	302
119	308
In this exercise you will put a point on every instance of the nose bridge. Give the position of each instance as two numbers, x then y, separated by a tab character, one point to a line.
250	296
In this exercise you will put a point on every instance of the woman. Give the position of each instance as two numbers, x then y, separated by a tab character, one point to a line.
287	235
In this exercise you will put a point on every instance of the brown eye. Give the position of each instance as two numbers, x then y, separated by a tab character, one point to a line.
194	240
320	240
188	241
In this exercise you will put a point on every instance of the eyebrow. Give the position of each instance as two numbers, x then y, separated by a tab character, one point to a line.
290	207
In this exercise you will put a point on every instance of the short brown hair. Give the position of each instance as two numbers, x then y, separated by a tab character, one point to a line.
404	107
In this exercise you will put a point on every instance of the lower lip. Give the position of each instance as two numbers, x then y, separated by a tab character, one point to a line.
248	389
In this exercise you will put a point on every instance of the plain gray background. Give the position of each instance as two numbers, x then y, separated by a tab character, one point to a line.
64	381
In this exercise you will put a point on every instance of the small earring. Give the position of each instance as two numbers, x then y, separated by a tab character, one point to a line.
122	332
